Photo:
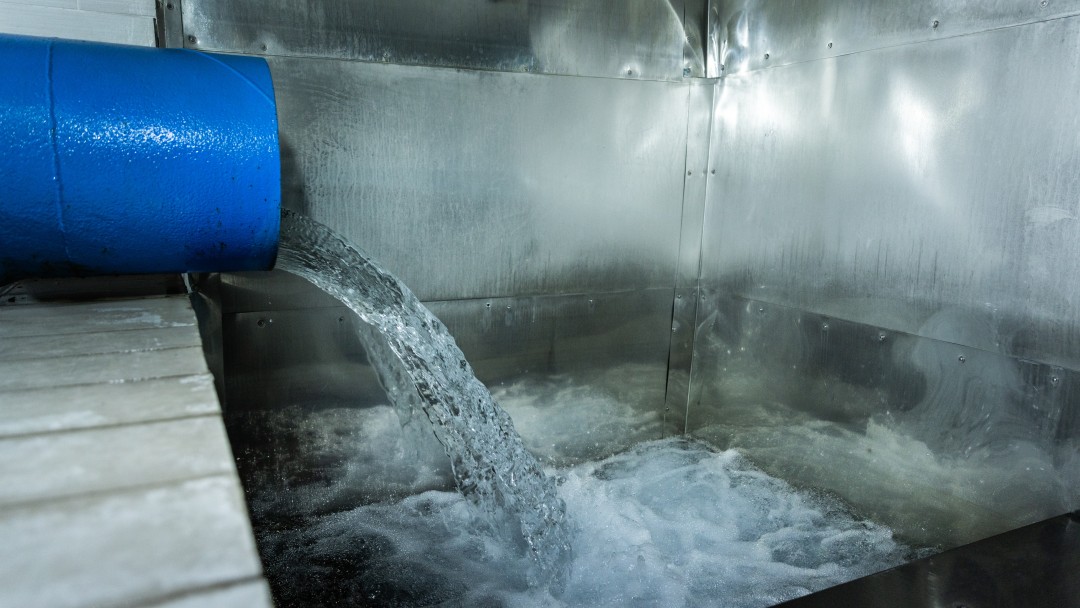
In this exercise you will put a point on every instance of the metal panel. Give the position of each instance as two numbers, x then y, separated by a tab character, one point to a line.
547	350
684	308
613	38
479	184
755	34
170	24
503	338
891	186
637	39
944	443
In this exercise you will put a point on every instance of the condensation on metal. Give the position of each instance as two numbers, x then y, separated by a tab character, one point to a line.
640	39
755	34
926	188
485	184
769	378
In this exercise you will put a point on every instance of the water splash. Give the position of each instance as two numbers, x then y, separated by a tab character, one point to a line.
423	370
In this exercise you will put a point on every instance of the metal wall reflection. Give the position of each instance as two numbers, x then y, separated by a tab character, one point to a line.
849	256
891	185
756	34
887	308
538	212
288	344
480	184
946	443
640	39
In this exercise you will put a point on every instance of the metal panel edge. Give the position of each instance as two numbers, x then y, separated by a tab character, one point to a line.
642	39
684	307
943	443
759	34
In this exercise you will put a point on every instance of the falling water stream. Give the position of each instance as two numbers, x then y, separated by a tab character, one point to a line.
662	523
422	369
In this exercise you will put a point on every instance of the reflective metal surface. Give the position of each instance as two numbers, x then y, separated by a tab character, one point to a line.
889	186
944	443
169	24
562	345
684	308
1035	566
480	184
612	38
756	34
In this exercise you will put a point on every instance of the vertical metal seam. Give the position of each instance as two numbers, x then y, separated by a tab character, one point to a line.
697	291
678	263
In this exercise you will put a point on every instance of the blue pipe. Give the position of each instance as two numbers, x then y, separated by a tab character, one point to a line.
117	159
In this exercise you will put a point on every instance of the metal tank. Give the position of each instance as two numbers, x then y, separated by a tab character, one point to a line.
833	235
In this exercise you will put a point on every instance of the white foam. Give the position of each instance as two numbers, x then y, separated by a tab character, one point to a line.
566	420
667	523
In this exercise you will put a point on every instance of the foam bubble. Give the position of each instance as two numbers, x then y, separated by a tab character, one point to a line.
668	522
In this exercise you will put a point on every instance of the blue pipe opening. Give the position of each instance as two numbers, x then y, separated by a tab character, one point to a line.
118	159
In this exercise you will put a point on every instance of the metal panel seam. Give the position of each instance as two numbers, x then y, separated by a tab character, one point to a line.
724	73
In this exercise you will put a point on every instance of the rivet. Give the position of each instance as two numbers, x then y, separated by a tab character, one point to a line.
935	24
1053	380
629	72
689	172
678	296
1043	3
192	39
766	56
713	172
881	337
263	47
961	359
824	327
169	6
264	322
830	45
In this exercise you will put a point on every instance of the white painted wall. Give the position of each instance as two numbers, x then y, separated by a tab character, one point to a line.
120	21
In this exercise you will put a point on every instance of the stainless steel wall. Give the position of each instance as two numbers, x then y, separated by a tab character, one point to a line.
534	199
844	251
472	184
888	304
650	39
